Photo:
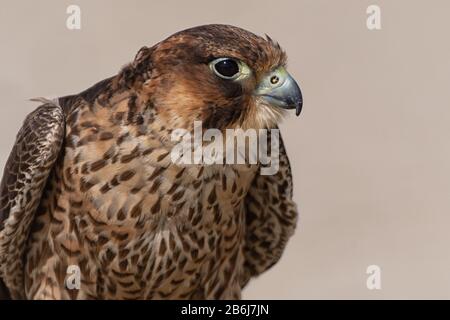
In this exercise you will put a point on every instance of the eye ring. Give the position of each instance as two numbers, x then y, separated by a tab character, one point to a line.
226	68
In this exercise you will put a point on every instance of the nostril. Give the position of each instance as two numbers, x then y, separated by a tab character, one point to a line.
274	79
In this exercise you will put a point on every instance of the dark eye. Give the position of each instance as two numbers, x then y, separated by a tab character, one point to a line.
226	68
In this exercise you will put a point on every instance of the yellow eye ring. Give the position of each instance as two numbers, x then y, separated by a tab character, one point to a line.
229	68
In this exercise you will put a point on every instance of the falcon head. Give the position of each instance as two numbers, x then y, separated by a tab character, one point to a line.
221	75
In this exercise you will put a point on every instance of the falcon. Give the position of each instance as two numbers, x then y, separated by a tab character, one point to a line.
90	186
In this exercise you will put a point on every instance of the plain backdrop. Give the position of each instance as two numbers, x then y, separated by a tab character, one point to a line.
370	153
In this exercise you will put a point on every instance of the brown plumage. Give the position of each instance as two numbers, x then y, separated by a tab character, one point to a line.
90	181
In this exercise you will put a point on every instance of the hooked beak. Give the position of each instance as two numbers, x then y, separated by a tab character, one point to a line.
278	88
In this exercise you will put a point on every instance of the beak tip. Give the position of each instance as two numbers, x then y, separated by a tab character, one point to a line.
298	109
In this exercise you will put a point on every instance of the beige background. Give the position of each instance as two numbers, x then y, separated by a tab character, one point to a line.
370	153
